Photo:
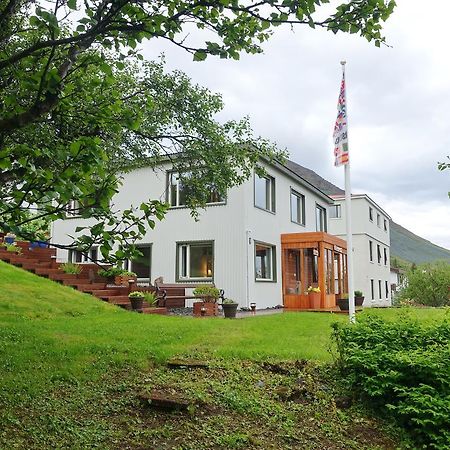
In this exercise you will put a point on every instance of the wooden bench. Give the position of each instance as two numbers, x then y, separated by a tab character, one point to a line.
174	295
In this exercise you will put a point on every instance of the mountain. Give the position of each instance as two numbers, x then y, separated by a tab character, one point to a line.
410	247
405	245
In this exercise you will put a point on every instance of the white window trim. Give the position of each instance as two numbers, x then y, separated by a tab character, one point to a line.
187	245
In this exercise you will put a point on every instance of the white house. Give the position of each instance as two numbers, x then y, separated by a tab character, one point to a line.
237	242
371	246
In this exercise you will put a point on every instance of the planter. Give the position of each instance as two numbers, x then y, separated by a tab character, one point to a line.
122	280
314	300
205	309
229	310
342	303
359	301
137	304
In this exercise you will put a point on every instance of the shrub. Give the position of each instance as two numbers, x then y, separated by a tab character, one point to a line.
428	284
68	267
402	370
359	294
151	298
208	292
115	272
136	294
13	248
229	301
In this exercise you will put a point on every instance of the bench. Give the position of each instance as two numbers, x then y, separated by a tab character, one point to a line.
174	295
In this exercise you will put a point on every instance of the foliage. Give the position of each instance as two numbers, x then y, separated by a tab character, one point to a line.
313	289
229	301
359	294
428	284
71	268
136	294
207	292
13	248
151	298
115	272
401	368
74	95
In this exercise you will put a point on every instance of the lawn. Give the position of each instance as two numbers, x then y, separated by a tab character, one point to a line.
70	366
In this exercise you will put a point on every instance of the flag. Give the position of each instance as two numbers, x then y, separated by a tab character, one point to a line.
340	130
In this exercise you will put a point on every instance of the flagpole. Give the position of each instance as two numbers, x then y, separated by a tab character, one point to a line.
348	224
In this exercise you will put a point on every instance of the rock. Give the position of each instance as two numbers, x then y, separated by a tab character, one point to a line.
175	363
165	401
343	402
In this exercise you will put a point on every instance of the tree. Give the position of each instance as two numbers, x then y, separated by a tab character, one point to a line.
428	284
76	105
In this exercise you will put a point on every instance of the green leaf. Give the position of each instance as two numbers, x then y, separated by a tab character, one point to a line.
200	55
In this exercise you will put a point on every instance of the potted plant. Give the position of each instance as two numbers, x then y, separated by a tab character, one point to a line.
124	277
137	300
110	273
342	302
151	299
314	297
70	268
359	298
208	304
229	308
13	248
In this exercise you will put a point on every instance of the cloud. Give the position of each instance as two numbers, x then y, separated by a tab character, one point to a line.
398	103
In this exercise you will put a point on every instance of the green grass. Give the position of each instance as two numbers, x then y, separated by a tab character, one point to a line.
66	354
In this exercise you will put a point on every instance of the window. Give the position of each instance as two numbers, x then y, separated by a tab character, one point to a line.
265	193
372	290
379	289
75	256
195	261
385	256
379	253
141	265
321	218
378	220
385	225
264	262
72	208
370	214
335	211
370	251
387	289
178	192
297	208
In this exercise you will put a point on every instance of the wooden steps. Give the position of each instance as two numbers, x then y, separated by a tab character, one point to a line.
42	261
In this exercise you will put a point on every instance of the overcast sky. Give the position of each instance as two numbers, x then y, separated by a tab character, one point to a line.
398	106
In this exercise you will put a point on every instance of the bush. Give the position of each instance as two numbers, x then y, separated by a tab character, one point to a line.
68	267
428	284
402	370
208	292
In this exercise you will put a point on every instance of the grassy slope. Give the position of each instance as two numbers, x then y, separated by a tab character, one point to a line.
69	364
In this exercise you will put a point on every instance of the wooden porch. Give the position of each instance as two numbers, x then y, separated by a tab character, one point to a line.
317	260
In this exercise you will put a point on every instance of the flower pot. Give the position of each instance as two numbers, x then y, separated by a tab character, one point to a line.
137	304
229	310
359	301
205	309
342	303
122	280
314	300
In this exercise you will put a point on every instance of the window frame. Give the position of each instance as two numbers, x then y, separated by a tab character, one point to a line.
85	258
378	220
372	288
178	261
379	253
300	198
385	225
370	213
338	211
272	193
379	290
324	211
387	288
170	173
128	263
385	256
273	257
370	251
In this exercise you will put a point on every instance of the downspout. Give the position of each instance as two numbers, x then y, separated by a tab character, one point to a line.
248	243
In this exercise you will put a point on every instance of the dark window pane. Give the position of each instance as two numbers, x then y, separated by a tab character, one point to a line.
141	264
201	263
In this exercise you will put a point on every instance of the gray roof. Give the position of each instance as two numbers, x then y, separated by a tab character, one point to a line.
313	178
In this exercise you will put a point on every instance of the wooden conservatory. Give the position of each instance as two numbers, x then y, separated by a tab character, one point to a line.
317	260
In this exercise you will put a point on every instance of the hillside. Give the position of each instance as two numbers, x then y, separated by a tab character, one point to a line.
405	245
410	247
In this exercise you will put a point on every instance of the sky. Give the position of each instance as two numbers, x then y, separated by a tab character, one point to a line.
398	101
